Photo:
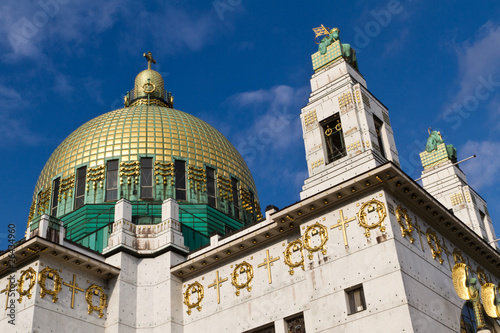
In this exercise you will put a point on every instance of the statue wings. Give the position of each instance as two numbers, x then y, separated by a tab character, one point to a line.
459	274
490	301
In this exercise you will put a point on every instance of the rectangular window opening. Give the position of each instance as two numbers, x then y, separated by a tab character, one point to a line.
180	180
81	176
112	181
355	299
146	178
55	196
296	324
210	175
378	130
334	138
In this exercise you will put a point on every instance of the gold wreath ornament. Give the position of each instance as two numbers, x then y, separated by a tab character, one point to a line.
30	275
311	231
244	267
406	226
98	291
294	246
52	274
372	205
197	288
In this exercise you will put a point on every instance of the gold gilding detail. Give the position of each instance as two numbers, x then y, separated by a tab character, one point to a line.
312	230
292	247
457	256
434	244
460	276
457	199
370	206
53	275
406	226
97	291
241	268
66	187
490	299
193	288
268	262
26	275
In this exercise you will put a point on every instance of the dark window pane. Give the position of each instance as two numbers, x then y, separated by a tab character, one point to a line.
356	299
296	324
334	137
210	175
81	176
378	131
112	181
55	196
180	180
146	178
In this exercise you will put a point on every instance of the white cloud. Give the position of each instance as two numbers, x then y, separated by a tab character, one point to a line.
477	64
483	170
275	124
13	130
28	28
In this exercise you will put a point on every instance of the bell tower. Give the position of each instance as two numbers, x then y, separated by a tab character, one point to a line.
444	180
346	129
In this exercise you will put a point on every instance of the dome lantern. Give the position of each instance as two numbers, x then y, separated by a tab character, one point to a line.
149	88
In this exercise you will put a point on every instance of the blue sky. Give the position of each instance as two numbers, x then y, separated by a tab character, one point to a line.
241	65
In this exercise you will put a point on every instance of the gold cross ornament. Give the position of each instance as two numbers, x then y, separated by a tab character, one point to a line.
343	224
74	289
216	284
6	291
149	58
268	262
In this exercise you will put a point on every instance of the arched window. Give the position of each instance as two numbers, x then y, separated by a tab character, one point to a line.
468	321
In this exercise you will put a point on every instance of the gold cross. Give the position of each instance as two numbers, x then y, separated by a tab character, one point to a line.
419	232
6	290
343	224
268	262
149	58
74	289
216	284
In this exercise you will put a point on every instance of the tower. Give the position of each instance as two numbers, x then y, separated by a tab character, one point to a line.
346	129
445	181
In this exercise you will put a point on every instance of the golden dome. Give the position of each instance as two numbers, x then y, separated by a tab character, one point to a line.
139	131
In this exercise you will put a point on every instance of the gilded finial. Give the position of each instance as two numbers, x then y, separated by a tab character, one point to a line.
149	58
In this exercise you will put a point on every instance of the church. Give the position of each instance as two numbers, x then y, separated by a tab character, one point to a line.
147	219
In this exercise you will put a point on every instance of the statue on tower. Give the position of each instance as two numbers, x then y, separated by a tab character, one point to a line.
434	140
331	36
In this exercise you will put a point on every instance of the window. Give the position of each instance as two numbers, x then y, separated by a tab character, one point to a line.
468	319
334	137
180	180
296	324
38	208
55	196
81	175
146	178
378	131
210	175
356	299
112	181
236	206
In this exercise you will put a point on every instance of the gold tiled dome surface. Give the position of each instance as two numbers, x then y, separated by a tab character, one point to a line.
145	131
